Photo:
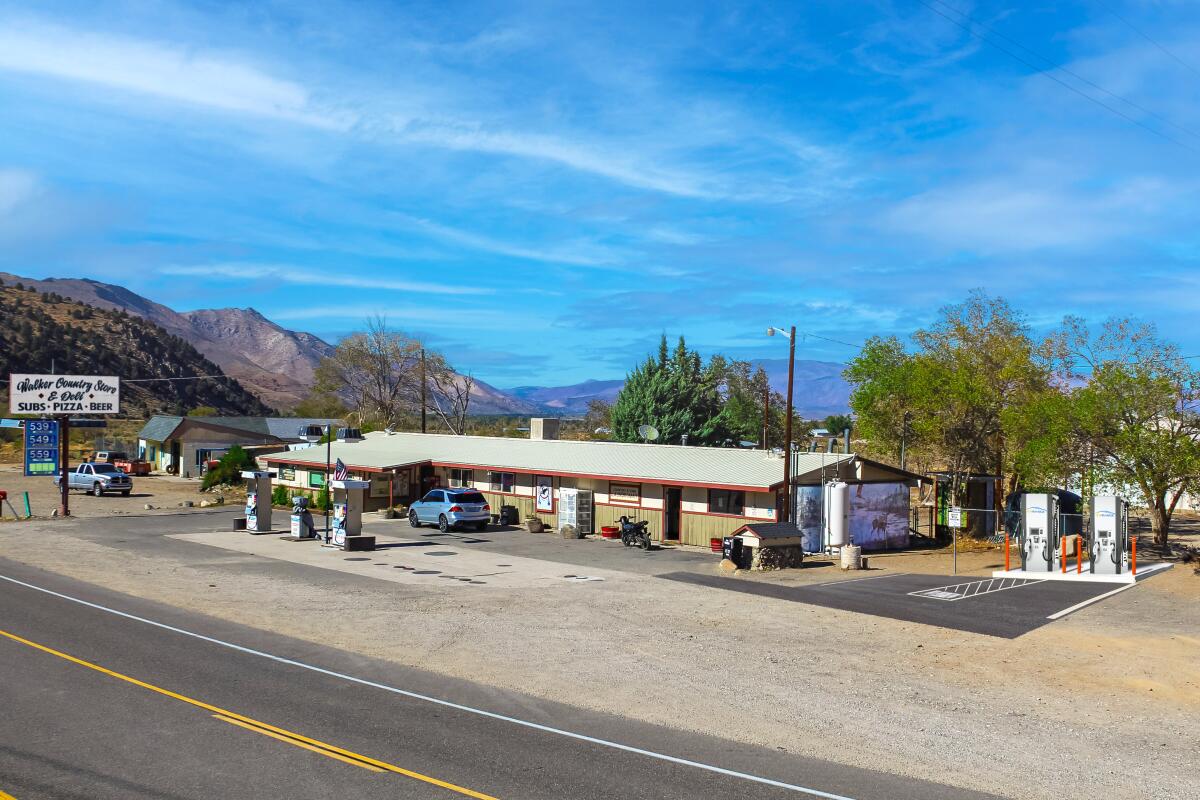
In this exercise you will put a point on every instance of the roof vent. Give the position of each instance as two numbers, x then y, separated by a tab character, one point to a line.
543	428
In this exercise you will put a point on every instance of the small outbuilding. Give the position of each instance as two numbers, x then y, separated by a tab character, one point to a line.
771	545
182	445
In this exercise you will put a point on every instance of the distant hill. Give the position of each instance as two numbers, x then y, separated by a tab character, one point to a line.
274	363
571	399
39	331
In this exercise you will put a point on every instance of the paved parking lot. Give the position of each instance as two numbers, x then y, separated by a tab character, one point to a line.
1005	608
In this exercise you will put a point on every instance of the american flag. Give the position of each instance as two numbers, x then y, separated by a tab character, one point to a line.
340	473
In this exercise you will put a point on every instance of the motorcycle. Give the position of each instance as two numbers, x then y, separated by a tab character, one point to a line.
635	533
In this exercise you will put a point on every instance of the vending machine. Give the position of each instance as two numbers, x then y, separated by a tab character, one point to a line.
1039	532
1108	539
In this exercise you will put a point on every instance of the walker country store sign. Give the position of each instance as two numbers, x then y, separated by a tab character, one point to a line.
64	394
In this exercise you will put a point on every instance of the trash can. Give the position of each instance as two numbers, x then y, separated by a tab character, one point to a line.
731	548
509	515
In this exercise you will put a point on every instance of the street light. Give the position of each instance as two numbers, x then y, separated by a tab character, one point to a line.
784	513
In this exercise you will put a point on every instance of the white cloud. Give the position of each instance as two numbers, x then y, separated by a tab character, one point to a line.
581	254
16	188
168	71
309	277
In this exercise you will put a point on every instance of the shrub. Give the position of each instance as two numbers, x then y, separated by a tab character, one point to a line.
228	470
280	496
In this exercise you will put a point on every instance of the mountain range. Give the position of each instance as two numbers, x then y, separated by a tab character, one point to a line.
276	364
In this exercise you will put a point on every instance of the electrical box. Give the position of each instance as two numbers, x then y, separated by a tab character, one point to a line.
1108	539
1039	532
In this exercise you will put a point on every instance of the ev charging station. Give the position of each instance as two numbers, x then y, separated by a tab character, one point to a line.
1039	532
348	497
258	501
1108	540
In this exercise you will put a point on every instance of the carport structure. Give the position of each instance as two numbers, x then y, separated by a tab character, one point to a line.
685	494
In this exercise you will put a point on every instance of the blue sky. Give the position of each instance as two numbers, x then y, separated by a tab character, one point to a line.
541	189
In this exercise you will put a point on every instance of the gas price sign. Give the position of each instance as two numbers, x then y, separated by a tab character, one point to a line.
41	447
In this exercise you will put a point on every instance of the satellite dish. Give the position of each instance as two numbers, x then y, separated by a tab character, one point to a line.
648	432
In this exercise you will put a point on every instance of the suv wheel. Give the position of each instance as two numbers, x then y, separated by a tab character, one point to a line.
413	519
98	489
481	526
443	523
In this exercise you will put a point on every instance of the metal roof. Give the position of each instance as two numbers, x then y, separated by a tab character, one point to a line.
659	463
161	426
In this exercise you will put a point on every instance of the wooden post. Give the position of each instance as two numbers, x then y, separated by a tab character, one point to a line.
64	435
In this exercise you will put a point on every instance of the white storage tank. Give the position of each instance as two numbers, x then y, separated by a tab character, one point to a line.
837	514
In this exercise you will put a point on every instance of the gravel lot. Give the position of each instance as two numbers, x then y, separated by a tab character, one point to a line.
164	492
1015	717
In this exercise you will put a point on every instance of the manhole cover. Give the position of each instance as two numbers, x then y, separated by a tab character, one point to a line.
441	553
504	565
427	572
358	559
478	583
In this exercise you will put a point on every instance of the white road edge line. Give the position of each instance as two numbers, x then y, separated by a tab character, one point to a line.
1089	601
445	703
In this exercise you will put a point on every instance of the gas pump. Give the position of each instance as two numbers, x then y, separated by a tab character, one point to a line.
1039	532
347	510
258	513
302	519
1108	539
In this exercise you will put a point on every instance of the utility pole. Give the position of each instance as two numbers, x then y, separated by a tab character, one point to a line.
423	390
328	486
766	440
787	429
785	511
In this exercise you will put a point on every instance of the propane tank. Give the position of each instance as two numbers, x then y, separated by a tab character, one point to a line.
837	513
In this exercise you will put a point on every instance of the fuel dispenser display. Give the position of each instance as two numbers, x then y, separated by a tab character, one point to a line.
302	520
258	512
1108	540
1039	532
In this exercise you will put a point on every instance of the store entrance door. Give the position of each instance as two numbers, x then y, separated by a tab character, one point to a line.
673	506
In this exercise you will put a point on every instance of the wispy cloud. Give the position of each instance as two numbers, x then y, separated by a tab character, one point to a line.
167	71
578	253
306	276
17	186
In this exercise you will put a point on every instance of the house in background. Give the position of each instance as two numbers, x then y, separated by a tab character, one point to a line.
181	445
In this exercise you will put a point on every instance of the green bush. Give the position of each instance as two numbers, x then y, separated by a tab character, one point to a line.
280	496
228	470
323	501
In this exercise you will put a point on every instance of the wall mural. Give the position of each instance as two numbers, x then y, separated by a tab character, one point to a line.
878	516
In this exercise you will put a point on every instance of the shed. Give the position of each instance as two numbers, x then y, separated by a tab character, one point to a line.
772	545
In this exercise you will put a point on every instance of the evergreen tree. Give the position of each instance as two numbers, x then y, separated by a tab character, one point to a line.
676	393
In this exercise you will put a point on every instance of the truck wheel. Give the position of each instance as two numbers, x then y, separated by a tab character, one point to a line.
126	493
413	520
98	489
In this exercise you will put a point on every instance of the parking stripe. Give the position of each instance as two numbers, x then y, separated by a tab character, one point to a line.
1089	601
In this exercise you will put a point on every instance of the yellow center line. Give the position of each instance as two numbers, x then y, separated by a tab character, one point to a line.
262	727
297	743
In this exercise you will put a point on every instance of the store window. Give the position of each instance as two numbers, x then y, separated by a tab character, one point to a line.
724	501
462	477
503	481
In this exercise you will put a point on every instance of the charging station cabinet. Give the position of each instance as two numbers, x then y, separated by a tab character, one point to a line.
258	501
1108	540
1039	532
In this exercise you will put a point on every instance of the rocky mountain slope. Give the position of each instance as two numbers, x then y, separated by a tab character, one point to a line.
274	363
44	330
571	399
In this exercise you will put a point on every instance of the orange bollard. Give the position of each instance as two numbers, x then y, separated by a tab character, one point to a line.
1135	555
1062	559
1006	551
1078	555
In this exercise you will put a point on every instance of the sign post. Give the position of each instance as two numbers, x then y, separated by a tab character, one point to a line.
60	396
954	520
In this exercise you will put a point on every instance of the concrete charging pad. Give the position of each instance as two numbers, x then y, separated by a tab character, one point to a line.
1144	572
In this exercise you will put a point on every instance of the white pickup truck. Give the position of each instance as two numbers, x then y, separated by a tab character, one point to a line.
98	479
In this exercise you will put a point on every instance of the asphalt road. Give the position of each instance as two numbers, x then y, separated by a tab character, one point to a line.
99	705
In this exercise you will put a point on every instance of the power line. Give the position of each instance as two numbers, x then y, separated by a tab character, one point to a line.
969	27
1072	73
1146	36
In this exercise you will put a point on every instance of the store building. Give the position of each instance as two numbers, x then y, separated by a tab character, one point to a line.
686	494
182	445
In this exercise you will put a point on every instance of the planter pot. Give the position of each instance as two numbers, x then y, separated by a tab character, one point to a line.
610	532
536	526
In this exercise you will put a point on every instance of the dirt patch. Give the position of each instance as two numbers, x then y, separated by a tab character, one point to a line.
163	492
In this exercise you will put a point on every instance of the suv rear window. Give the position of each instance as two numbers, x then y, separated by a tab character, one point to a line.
468	497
